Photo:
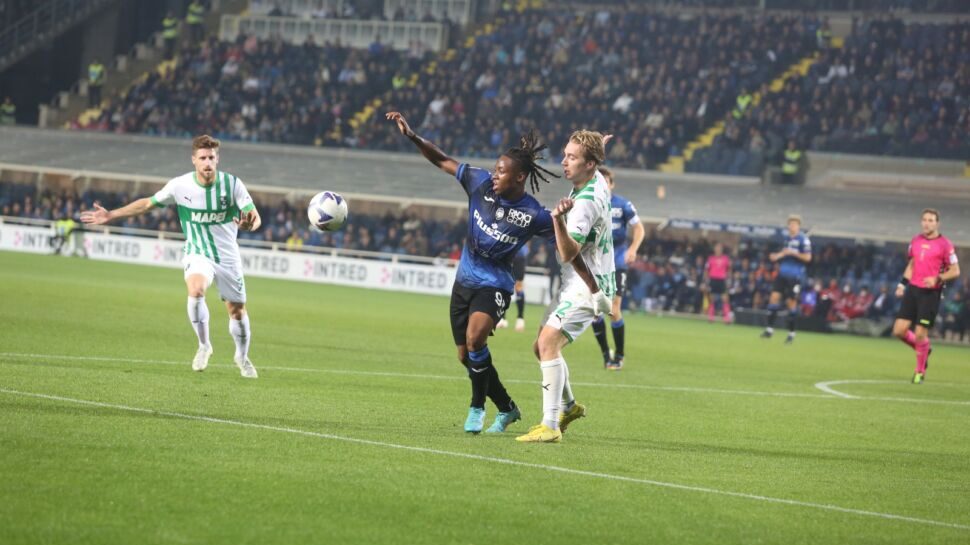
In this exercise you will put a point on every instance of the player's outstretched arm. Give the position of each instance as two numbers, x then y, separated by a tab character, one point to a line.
100	216
430	151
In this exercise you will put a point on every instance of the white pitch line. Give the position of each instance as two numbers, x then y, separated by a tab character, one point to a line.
823	386
827	387
424	376
496	460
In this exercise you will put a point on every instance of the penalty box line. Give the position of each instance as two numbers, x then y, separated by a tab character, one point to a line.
492	459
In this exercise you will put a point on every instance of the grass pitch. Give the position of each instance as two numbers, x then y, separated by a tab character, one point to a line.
352	433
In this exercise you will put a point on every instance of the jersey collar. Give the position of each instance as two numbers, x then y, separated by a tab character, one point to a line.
576	191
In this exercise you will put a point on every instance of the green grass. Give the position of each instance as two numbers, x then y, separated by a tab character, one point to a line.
686	410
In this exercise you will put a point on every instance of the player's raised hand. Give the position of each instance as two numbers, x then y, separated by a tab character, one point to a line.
564	206
402	124
249	221
98	216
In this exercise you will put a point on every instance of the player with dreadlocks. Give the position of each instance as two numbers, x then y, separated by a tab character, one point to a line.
502	217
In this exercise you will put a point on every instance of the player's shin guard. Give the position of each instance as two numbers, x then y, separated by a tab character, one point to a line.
599	330
568	400
922	354
910	339
619	334
726	310
479	371
772	314
553	379
520	303
241	335
497	393
710	310
791	320
199	316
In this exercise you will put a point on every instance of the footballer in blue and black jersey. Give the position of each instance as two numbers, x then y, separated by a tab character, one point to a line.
502	217
792	262
497	229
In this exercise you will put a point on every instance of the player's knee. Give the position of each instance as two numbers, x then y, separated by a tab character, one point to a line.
236	312
474	345
617	315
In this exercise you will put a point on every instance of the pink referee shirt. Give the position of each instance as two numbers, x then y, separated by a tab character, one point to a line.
717	266
930	256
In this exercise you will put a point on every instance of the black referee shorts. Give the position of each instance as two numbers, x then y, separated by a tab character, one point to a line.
920	305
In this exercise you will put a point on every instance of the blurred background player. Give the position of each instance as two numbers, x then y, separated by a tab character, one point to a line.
624	218
518	273
932	263
212	207
584	238
792	260
502	217
717	270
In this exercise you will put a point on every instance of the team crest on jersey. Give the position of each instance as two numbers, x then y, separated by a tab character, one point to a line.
223	202
500	213
517	217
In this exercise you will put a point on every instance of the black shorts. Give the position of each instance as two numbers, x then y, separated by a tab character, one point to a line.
518	268
920	306
789	288
718	286
465	301
620	282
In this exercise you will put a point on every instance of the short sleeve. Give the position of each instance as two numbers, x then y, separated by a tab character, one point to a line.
164	196
580	219
951	254
630	213
241	196
806	245
471	177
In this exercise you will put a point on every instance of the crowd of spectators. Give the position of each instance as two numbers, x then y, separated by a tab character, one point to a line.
893	89
253	90
653	78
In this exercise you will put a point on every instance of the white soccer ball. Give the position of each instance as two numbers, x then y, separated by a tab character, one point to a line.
327	211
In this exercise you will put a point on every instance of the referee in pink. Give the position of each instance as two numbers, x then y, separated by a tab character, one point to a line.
932	263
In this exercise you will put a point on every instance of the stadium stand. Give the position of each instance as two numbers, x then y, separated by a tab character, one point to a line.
893	89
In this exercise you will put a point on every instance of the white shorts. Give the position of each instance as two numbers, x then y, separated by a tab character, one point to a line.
229	279
572	312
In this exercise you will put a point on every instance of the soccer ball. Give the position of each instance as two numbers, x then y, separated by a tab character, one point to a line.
327	211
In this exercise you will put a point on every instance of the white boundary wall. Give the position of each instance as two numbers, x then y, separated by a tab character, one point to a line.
306	267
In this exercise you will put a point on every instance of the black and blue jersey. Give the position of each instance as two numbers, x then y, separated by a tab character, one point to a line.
790	266
624	214
497	229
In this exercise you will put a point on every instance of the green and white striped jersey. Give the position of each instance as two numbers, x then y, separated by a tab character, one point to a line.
590	224
206	213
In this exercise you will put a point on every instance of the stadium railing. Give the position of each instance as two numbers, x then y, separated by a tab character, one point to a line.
399	35
459	11
296	7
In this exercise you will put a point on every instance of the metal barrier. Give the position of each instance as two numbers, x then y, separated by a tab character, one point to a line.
349	32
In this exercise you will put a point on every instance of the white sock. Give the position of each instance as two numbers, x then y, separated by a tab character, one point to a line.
552	384
239	329
199	316
567	391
